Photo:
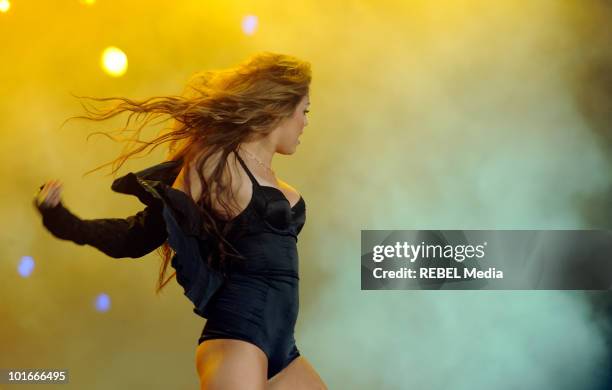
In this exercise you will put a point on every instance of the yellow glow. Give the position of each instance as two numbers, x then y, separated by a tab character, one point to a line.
4	5
114	61
88	2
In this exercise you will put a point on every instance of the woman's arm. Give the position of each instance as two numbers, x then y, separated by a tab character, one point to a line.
134	236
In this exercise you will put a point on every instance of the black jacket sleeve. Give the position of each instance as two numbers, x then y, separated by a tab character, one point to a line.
134	236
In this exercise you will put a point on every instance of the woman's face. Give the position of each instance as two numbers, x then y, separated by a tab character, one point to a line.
289	130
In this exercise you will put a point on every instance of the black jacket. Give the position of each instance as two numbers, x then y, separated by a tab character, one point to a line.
134	236
169	214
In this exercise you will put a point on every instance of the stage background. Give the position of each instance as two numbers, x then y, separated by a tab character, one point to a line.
424	115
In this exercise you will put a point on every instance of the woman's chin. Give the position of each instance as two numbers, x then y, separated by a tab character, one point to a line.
287	151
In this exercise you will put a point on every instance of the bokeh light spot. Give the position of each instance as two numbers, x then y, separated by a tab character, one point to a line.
114	61
103	302
249	24
26	266
4	5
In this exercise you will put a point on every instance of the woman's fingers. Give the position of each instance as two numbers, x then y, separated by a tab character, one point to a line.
54	193
50	197
50	194
55	198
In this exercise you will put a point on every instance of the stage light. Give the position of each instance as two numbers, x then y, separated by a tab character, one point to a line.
102	302
4	5
114	61
26	266
249	24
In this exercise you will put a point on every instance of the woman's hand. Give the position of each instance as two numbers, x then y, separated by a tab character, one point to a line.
49	195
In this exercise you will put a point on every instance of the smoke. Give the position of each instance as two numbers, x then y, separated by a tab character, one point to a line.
465	115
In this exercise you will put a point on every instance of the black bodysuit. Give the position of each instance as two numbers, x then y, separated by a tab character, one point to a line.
255	300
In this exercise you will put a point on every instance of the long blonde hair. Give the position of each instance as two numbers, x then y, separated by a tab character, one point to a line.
217	111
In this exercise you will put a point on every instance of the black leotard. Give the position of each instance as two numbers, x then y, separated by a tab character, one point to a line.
254	300
259	302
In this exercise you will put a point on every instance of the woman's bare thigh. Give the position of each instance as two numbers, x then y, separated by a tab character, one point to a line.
228	364
298	375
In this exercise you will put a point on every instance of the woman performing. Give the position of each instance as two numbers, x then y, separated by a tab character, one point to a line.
219	216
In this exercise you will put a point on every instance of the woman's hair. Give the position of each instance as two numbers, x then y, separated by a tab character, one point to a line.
217	111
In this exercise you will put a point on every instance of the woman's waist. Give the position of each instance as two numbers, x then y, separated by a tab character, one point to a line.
248	273
259	300
264	255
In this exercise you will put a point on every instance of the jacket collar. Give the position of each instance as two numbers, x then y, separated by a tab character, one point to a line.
141	183
165	172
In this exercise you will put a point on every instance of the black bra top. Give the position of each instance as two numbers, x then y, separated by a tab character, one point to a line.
270	206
